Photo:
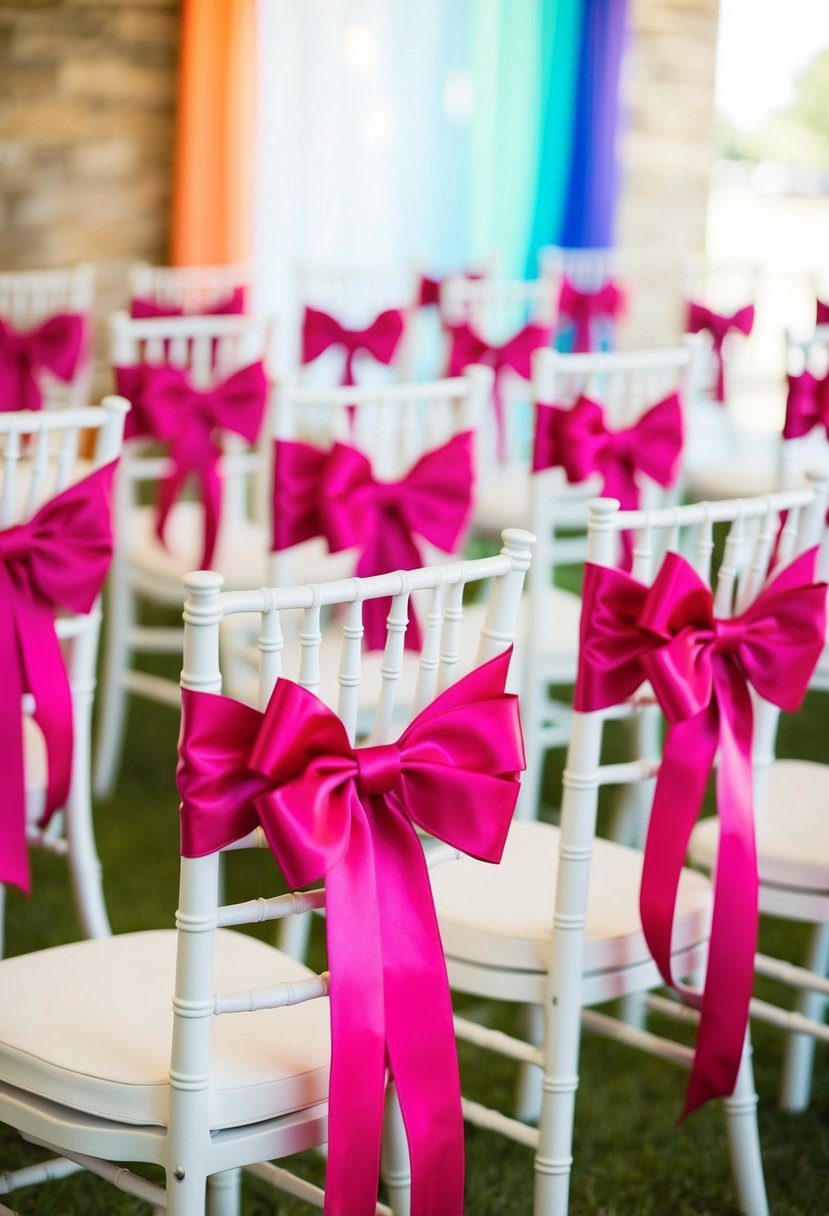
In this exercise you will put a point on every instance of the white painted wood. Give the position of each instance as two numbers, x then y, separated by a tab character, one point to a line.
193	288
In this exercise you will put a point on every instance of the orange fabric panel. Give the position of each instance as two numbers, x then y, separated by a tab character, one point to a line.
213	176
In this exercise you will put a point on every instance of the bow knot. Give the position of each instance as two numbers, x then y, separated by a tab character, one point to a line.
350	814
378	769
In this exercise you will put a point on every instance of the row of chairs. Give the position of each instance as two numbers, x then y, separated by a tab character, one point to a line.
533	931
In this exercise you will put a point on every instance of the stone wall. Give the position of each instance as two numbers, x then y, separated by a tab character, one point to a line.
665	153
87	92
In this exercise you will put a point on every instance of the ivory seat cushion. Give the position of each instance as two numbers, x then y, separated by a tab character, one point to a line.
791	832
242	551
103	1048
502	916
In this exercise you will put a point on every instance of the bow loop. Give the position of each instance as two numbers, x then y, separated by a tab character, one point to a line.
380	339
328	809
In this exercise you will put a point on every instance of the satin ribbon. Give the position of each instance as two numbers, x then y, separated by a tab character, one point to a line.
185	418
380	339
334	494
58	559
467	347
584	308
821	312
717	325
701	669
579	440
807	405
143	307
349	815
56	345
429	290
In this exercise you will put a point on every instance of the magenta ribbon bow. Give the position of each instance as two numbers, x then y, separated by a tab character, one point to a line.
702	318
349	815
144	307
580	441
57	559
584	308
380	339
56	345
701	669
187	419
807	405
467	346
429	290
333	493
821	312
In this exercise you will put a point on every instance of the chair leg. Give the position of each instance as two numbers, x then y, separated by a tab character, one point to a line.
395	1170
528	1092
186	1196
554	1158
744	1141
84	865
224	1197
796	1087
112	711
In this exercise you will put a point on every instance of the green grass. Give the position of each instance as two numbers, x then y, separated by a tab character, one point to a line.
631	1157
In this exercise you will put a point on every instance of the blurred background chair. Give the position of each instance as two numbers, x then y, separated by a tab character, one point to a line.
51	311
190	290
209	351
591	299
46	501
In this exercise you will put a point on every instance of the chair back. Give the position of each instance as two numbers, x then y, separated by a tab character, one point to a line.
193	289
28	297
626	384
196	1003
392	425
587	269
355	294
498	308
809	452
208	349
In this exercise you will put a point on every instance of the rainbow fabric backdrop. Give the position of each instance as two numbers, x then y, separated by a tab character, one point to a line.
448	131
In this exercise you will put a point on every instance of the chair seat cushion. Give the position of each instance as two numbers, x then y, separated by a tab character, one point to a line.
88	1025
502	916
242	551
791	833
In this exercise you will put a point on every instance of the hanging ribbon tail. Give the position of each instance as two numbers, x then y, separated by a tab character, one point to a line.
358	1031
422	1053
14	853
169	489
48	683
719	388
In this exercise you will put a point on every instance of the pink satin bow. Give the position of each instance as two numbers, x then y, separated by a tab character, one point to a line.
349	815
584	308
702	318
172	411
143	307
821	312
380	339
807	405
701	669
467	346
57	559
580	441
333	493
55	345
429	291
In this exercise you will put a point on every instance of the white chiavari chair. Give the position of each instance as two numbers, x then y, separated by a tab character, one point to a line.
192	289
29	297
558	925
98	1065
588	270
145	570
39	460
